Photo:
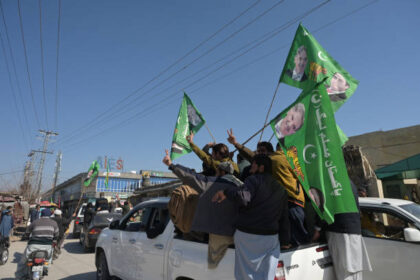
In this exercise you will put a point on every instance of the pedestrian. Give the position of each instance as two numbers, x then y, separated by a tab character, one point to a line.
262	221
62	224
346	244
6	225
35	213
217	220
43	231
283	173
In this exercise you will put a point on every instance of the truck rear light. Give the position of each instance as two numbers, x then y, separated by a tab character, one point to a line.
280	275
321	249
95	231
77	222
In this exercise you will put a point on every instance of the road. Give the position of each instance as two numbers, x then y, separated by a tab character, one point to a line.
73	263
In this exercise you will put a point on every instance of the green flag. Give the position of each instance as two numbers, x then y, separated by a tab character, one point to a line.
309	138
92	173
189	120
309	63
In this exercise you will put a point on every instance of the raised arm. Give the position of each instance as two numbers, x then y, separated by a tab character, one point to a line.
244	151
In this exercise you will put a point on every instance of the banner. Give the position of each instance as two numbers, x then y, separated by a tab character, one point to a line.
92	173
308	62
308	134
189	120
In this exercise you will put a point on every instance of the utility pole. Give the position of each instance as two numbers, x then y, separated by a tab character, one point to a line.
57	170
47	135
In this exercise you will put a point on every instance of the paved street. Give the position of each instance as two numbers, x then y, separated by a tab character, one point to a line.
73	263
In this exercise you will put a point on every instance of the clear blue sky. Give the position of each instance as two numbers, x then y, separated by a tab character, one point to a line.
108	49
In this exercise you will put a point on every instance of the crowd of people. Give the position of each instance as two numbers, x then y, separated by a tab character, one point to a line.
259	205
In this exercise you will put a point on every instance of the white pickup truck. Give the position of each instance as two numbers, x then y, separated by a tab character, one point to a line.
145	245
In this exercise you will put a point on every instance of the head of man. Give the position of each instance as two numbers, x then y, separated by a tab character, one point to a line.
264	148
38	207
224	168
293	120
57	212
338	84
261	164
220	151
9	210
301	59
46	212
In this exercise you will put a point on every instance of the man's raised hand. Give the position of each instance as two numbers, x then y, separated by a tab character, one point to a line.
190	138
231	139
167	159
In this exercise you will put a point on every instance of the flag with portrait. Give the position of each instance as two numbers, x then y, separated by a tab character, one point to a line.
307	132
189	120
308	62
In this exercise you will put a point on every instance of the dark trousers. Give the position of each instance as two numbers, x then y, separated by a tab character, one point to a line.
298	232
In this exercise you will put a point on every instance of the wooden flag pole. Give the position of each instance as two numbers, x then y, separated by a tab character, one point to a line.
255	134
269	110
214	139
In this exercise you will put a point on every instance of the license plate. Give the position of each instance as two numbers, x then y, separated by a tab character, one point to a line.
37	268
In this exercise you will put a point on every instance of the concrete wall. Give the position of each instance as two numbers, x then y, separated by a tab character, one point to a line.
386	147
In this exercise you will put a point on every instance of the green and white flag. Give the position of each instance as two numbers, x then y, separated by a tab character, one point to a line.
189	120
92	173
308	134
308	63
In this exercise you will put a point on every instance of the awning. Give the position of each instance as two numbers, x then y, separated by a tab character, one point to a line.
408	168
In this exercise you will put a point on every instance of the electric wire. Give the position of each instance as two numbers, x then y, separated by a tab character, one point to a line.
12	172
57	64
14	68
27	65
155	107
24	140
283	27
115	106
42	62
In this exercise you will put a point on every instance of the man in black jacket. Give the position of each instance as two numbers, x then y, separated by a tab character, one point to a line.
263	216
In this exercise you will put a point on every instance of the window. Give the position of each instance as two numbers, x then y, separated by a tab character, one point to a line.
382	223
138	220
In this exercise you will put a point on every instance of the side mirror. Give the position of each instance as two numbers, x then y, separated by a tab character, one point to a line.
412	235
114	224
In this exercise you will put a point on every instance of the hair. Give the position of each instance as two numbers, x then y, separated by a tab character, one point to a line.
301	49
265	161
9	207
278	147
266	145
222	149
301	109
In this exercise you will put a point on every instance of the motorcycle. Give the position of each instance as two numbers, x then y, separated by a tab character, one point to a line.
4	251
37	264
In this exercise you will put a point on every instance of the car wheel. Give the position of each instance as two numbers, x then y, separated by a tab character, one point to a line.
81	239
102	272
4	256
86	245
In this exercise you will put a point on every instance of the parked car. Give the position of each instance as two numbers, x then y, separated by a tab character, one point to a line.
78	221
149	246
99	222
391	230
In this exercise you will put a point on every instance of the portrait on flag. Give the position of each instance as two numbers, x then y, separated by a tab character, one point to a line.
314	152
309	63
292	122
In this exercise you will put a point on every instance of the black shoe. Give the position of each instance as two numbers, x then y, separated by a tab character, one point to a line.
45	271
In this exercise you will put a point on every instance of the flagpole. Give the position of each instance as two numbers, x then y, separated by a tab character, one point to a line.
269	110
214	139
255	134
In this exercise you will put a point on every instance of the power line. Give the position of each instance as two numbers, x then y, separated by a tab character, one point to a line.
57	63
13	93
27	65
42	62
14	67
12	172
156	106
115	107
278	30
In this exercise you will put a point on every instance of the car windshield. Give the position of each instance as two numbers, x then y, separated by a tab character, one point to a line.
412	208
